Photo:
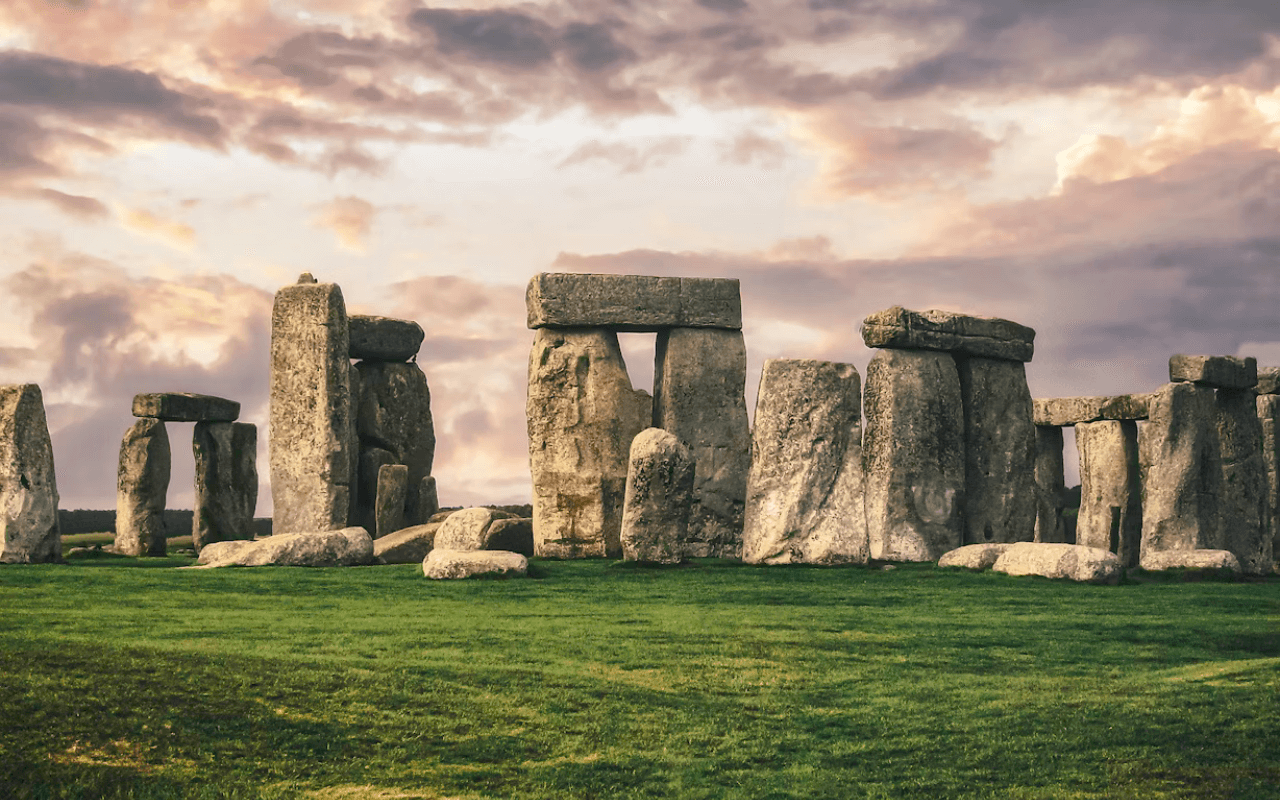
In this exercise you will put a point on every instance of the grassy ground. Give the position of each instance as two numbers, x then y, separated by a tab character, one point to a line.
122	678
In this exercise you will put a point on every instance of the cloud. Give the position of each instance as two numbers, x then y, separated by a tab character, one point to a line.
351	220
750	148
628	158
171	232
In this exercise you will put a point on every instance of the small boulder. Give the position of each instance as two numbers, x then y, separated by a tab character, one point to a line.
974	556
465	529
407	545
515	535
1071	562
453	564
341	548
1190	559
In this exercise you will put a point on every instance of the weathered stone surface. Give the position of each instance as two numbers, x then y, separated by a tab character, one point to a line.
454	564
1181	473
1051	485
226	456
1244	503
999	451
514	534
311	459
185	407
1110	515
359	503
28	486
341	548
1190	559
466	529
1268	380
659	498
699	384
141	485
395	415
804	492
974	556
984	337
384	338
1073	410
913	455
1071	562
372	460
632	302
428	500
393	486
1269	418
1220	372
582	415
407	545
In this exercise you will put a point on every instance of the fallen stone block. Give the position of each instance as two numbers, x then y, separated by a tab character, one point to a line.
185	407
1071	562
984	337
974	556
1220	372
514	534
29	532
342	548
467	529
1063	411
383	338
659	498
632	302
407	545
455	564
1190	559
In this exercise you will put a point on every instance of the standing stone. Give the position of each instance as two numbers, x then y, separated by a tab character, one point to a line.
372	460
310	431
28	489
359	502
226	456
428	499
1110	496
1268	406
141	485
582	415
1051	487
395	415
804	492
393	485
1000	451
1181	473
699	385
659	498
913	455
1243	505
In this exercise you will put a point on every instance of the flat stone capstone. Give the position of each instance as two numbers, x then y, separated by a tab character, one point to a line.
1268	380
985	337
383	338
185	407
632	302
1063	411
1220	372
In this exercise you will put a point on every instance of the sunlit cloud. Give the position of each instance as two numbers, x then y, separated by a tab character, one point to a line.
351	220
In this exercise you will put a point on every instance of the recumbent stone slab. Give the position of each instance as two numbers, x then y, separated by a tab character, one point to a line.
1190	559
341	548
659	498
29	531
985	337
185	407
1220	372
468	529
407	545
1073	410
226	458
632	302
1110	515
1071	562
999	451
457	564
1181	470
384	338
974	556
142	482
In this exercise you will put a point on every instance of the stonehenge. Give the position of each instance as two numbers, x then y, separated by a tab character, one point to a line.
29	531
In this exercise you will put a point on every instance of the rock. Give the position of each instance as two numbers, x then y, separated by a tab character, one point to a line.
913	455
1244	502
341	548
984	337
1072	410
226	458
1110	515
804	491
1268	380
372	460
1181	474
407	545
1051	485
974	556
699	384
632	302
1220	372
29	532
141	485
1071	562
466	529
454	564
384	338
659	498
311	439
395	415
185	407
360	504
1269	418
428	500
1191	559
393	485
999	451
582	415
515	534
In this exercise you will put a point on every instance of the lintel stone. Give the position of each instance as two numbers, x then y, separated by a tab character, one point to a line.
986	337
1268	380
1063	411
638	303
185	407
383	338
1220	372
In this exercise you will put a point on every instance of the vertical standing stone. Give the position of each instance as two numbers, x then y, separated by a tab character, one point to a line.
1181	473
1110	496
141	485
1244	481
804	493
428	500
310	409
372	460
1051	485
393	484
1268	406
582	416
659	498
226	455
999	450
28	488
913	455
699	384
395	415
356	503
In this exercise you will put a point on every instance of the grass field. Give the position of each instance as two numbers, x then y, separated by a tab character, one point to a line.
124	678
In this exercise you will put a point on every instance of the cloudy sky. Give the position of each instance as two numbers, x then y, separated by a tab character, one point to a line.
1106	171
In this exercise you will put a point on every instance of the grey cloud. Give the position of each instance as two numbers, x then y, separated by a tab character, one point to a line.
505	38
727	6
73	204
628	158
593	48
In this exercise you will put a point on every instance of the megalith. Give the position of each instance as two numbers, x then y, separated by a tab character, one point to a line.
699	385
1181	471
1268	406
311	429
804	491
999	449
582	416
226	458
395	416
389	503
29	531
1244	502
1051	485
1110	515
142	483
658	502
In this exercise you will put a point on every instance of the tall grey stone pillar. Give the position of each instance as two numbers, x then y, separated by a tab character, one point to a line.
1000	451
659	498
1244	505
226	457
1268	416
141	485
29	532
1110	495
1051	485
1181	470
395	416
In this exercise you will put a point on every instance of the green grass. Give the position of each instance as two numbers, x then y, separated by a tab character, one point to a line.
122	678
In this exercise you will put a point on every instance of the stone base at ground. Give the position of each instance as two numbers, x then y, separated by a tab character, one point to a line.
407	545
974	556
342	548
1190	559
454	564
1071	562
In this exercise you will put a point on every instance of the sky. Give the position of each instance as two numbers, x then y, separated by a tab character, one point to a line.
1104	171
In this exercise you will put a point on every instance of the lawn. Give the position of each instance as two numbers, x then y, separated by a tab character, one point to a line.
126	678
